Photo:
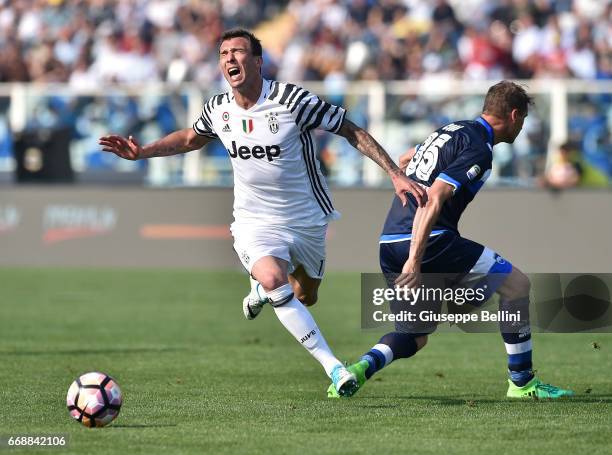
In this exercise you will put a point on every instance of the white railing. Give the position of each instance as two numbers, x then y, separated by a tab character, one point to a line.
555	92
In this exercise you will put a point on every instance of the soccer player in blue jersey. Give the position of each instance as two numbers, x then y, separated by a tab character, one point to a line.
453	163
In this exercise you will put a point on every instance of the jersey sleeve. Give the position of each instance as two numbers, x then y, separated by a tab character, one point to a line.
312	112
203	126
467	169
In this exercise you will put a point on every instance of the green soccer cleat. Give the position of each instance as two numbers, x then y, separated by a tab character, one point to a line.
331	392
358	369
536	389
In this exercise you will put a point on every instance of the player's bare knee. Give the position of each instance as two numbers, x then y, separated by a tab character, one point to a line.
524	286
517	286
271	281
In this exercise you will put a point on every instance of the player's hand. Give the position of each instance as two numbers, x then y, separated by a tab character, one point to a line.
410	276
403	185
405	159
128	149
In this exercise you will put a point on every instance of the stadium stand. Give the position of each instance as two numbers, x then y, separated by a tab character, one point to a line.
90	44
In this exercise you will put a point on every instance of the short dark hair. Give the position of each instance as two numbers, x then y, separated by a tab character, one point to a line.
242	33
505	96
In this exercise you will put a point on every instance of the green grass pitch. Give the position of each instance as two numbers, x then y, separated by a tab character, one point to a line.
198	378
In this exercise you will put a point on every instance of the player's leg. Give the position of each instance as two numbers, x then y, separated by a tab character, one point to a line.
308	257
250	244
272	273
305	288
514	298
408	338
306	268
392	346
499	276
513	287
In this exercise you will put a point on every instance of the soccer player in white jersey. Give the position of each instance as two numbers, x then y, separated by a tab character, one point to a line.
281	201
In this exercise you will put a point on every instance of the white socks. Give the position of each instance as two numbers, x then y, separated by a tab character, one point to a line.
300	323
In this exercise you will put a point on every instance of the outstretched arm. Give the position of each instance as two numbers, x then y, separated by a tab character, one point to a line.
181	141
367	145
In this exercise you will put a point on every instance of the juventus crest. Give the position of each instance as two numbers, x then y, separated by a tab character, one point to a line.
272	122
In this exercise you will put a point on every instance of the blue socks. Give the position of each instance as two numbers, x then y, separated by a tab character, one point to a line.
518	344
520	367
392	346
398	345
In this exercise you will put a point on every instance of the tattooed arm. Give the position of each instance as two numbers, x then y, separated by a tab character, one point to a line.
181	141
367	145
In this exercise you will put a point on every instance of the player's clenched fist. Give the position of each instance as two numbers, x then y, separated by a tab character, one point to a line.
122	147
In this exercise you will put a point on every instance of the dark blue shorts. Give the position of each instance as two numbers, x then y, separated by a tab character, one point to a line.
469	264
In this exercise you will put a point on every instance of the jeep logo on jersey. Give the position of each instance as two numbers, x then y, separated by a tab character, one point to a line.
247	125
258	152
272	123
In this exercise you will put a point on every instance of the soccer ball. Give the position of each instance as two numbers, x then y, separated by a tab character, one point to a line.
94	399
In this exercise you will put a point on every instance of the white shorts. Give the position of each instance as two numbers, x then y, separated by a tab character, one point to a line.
297	246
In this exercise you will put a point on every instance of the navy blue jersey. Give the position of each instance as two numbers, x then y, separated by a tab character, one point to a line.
461	155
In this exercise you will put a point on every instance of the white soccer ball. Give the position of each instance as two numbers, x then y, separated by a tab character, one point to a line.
94	399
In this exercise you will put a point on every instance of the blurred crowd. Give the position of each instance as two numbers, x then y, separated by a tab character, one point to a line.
473	39
91	42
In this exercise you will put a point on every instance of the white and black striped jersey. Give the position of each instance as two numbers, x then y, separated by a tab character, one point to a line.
277	180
